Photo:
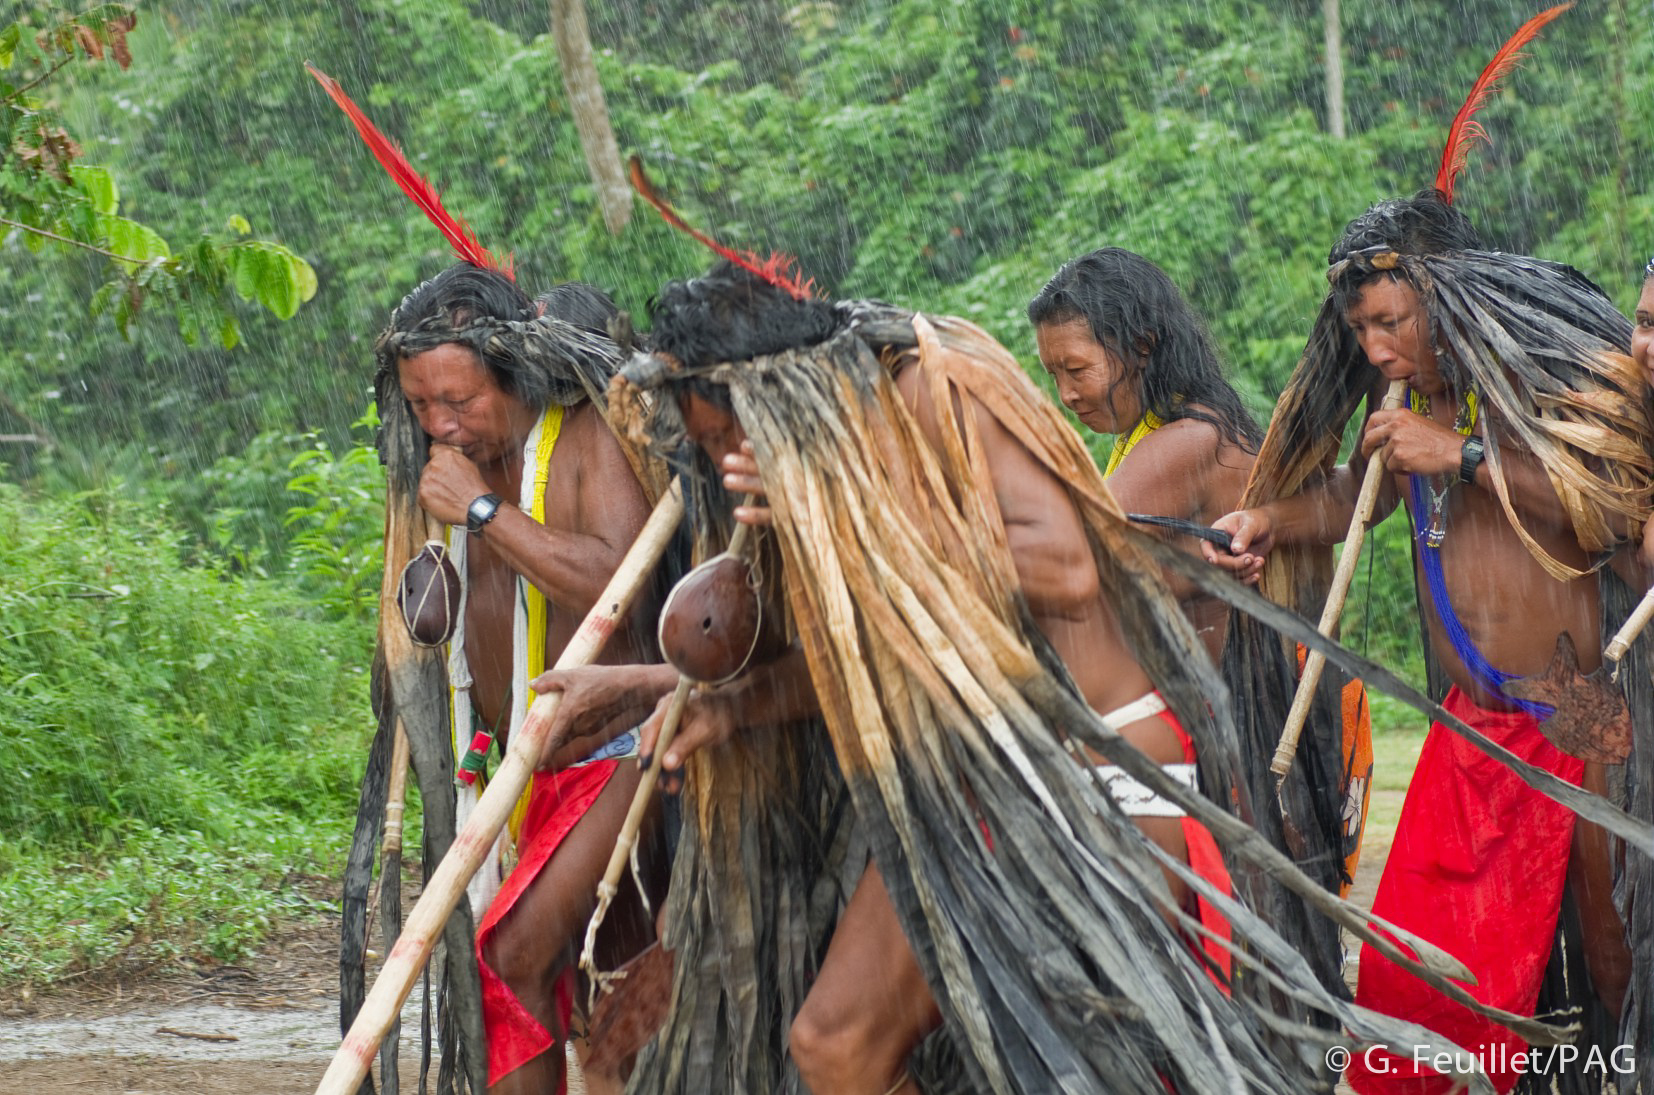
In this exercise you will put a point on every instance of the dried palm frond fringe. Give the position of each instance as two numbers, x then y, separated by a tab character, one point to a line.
1545	351
1056	955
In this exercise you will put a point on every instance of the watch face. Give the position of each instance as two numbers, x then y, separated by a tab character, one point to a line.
482	511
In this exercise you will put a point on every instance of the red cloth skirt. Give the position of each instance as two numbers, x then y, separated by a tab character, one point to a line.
557	802
1207	862
1477	867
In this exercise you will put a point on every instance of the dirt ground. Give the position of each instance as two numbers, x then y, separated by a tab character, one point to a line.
267	1026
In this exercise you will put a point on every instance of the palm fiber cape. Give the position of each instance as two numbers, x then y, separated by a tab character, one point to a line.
1052	946
1545	352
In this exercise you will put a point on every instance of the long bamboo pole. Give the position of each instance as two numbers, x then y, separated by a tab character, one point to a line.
1287	748
471	846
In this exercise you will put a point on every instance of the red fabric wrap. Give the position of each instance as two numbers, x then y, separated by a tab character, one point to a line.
557	802
1207	861
1477	867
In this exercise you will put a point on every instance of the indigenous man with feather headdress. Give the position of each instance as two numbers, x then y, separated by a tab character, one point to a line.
541	502
1523	463
494	438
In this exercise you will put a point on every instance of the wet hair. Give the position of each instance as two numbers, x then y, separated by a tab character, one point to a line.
1424	224
1129	303
464	305
730	314
582	305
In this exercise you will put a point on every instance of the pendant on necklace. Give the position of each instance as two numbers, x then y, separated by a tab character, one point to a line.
1435	531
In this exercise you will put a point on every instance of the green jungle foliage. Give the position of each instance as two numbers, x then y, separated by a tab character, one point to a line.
178	739
943	154
50	199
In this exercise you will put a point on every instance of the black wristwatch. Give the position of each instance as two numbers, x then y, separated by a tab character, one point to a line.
1470	458
480	512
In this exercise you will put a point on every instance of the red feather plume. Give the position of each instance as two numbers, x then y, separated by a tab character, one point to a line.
778	270
413	184
1465	129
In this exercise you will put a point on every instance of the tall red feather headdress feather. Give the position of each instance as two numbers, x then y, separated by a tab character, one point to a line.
1465	129
779	270
413	184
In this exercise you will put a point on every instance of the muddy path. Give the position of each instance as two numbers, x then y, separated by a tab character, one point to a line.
265	1026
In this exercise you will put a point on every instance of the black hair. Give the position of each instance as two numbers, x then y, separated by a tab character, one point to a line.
731	314
463	305
582	305
1135	312
1424	224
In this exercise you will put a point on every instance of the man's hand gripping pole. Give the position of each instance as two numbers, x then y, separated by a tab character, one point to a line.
1365	501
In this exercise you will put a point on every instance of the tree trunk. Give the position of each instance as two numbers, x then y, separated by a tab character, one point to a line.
1335	67
591	113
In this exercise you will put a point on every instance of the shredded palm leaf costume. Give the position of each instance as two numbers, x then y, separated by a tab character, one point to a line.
1544	351
1048	942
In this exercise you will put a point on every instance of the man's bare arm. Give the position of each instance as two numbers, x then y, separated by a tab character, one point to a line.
1055	569
570	566
1177	471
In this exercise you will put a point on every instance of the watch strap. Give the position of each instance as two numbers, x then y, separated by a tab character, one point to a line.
1470	458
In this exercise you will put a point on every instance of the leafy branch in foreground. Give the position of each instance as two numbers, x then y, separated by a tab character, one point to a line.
50	199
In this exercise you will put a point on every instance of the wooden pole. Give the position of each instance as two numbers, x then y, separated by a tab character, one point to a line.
493	809
1627	634
610	886
1287	749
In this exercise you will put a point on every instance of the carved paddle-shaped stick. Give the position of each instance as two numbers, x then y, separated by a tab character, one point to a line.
474	841
1287	749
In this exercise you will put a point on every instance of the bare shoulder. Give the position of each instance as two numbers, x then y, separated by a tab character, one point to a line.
592	484
1186	468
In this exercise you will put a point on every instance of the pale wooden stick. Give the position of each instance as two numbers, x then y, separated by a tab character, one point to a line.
396	797
1634	624
395	805
610	885
493	809
1287	748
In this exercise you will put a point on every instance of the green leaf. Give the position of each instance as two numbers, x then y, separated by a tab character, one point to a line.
238	224
98	184
135	243
229	331
271	275
8	44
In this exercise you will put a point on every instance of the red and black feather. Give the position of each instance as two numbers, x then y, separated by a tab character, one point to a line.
1465	129
418	189
779	270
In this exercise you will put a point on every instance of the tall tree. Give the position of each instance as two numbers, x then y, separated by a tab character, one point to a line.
591	112
1335	67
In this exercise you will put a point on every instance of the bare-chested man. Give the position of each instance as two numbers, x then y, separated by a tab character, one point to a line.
1480	861
1130	358
498	393
870	1004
